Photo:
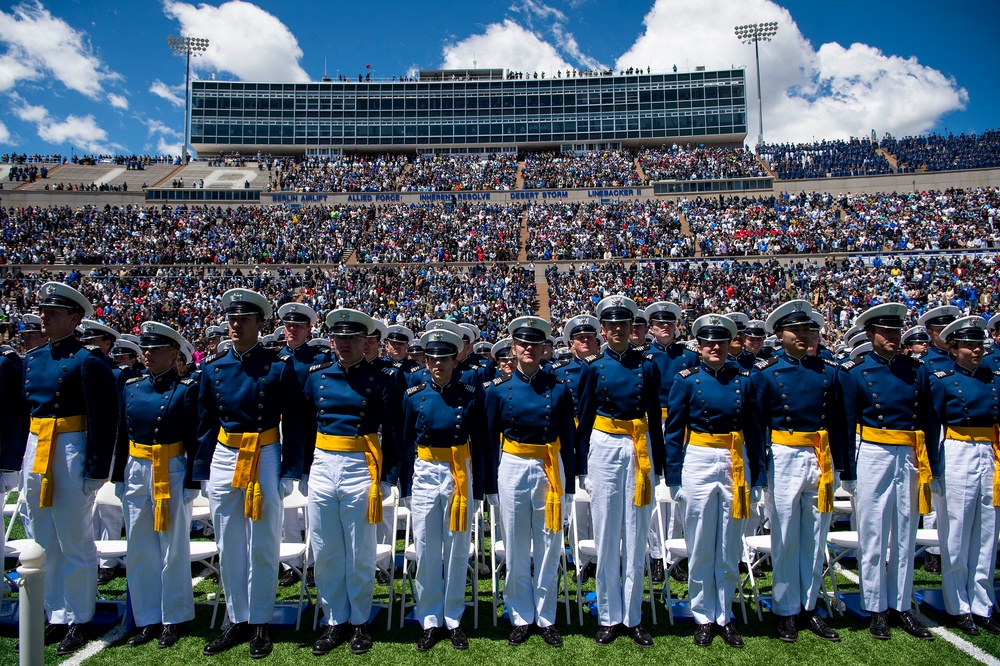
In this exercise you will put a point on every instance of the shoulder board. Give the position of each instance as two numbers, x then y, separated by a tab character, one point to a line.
470	388
558	364
389	371
744	373
941	374
93	348
687	372
648	357
212	358
397	364
284	353
997	373
849	365
594	357
499	380
763	363
320	366
189	381
415	368
10	353
134	380
416	389
124	368
829	362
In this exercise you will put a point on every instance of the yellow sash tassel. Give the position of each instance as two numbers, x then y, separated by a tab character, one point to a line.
916	439
636	429
733	441
992	435
160	454
367	444
549	455
457	458
820	443
48	430
247	473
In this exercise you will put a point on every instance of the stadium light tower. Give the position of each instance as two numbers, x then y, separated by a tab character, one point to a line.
187	47
755	33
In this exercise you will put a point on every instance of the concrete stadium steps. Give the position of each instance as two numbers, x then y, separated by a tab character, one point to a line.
519	175
542	288
406	170
686	229
102	174
220	178
522	252
4	170
890	158
638	170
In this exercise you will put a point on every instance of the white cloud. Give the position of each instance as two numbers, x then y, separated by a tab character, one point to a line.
158	127
4	134
30	113
505	45
118	101
164	147
173	94
83	133
830	92
40	45
244	40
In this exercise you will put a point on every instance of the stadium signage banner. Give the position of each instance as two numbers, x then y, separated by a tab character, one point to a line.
456	197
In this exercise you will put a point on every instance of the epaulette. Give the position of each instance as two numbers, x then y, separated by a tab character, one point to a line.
320	366
558	364
397	364
488	384
416	389
764	363
389	371
134	380
212	358
415	368
849	365
829	362
644	347
499	380
124	368
745	373
470	388
284	354
941	374
189	381
10	353
687	372
648	357
93	348
594	357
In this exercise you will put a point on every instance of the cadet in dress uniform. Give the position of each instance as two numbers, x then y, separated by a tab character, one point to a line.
755	335
152	476
14	425
620	448
640	327
916	342
416	354
992	358
126	353
443	470
68	457
738	352
816	327
965	405
800	403
886	402
715	454
397	344
31	334
244	394
213	336
503	354
530	426
350	473
472	356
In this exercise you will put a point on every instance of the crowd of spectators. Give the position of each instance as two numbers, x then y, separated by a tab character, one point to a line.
599	168
837	158
35	158
620	229
935	152
447	172
698	163
26	173
233	159
82	187
341	173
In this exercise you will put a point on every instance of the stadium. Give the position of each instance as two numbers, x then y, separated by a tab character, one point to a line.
481	196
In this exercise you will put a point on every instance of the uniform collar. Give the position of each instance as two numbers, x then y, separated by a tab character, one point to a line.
528	379
615	355
239	357
712	371
355	367
441	389
796	360
63	342
878	358
965	371
164	378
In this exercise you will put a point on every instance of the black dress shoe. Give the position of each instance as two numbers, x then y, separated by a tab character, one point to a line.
639	636
656	571
105	575
815	624
146	634
310	579
730	635
72	641
333	636
551	636
987	624
260	642
905	621
54	633
703	635
169	636
381	577
605	635
361	642
965	624
234	634
879	627
458	639
787	631
519	634
427	640
289	578
932	563
679	574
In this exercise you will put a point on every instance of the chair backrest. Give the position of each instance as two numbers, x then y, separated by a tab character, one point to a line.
106	495
13	517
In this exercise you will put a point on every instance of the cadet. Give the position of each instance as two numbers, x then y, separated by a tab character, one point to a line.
755	335
416	354
443	469
886	402
350	473
714	454
934	321
992	358
620	447
916	342
397	344
245	393
503	353
152	476
964	404
640	327
738	352
800	403
68	457
530	421
31	334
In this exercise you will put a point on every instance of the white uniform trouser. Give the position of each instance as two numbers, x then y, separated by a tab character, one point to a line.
440	603
248	549
108	522
523	487
65	530
887	527
967	530
621	529
343	540
798	529
159	570
712	535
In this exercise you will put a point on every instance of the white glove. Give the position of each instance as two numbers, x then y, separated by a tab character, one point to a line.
287	487
120	490
849	487
493	500
304	485
673	493
190	495
9	481
91	486
756	494
936	488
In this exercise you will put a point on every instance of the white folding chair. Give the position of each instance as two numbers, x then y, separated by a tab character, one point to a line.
839	545
205	553
109	549
294	555
584	550
11	511
385	555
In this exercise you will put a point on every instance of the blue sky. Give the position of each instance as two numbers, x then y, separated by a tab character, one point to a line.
98	76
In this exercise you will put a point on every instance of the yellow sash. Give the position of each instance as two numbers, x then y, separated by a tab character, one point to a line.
160	454
914	438
48	429
820	443
663	414
636	429
367	444
457	457
991	435
734	442
247	474
549	455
